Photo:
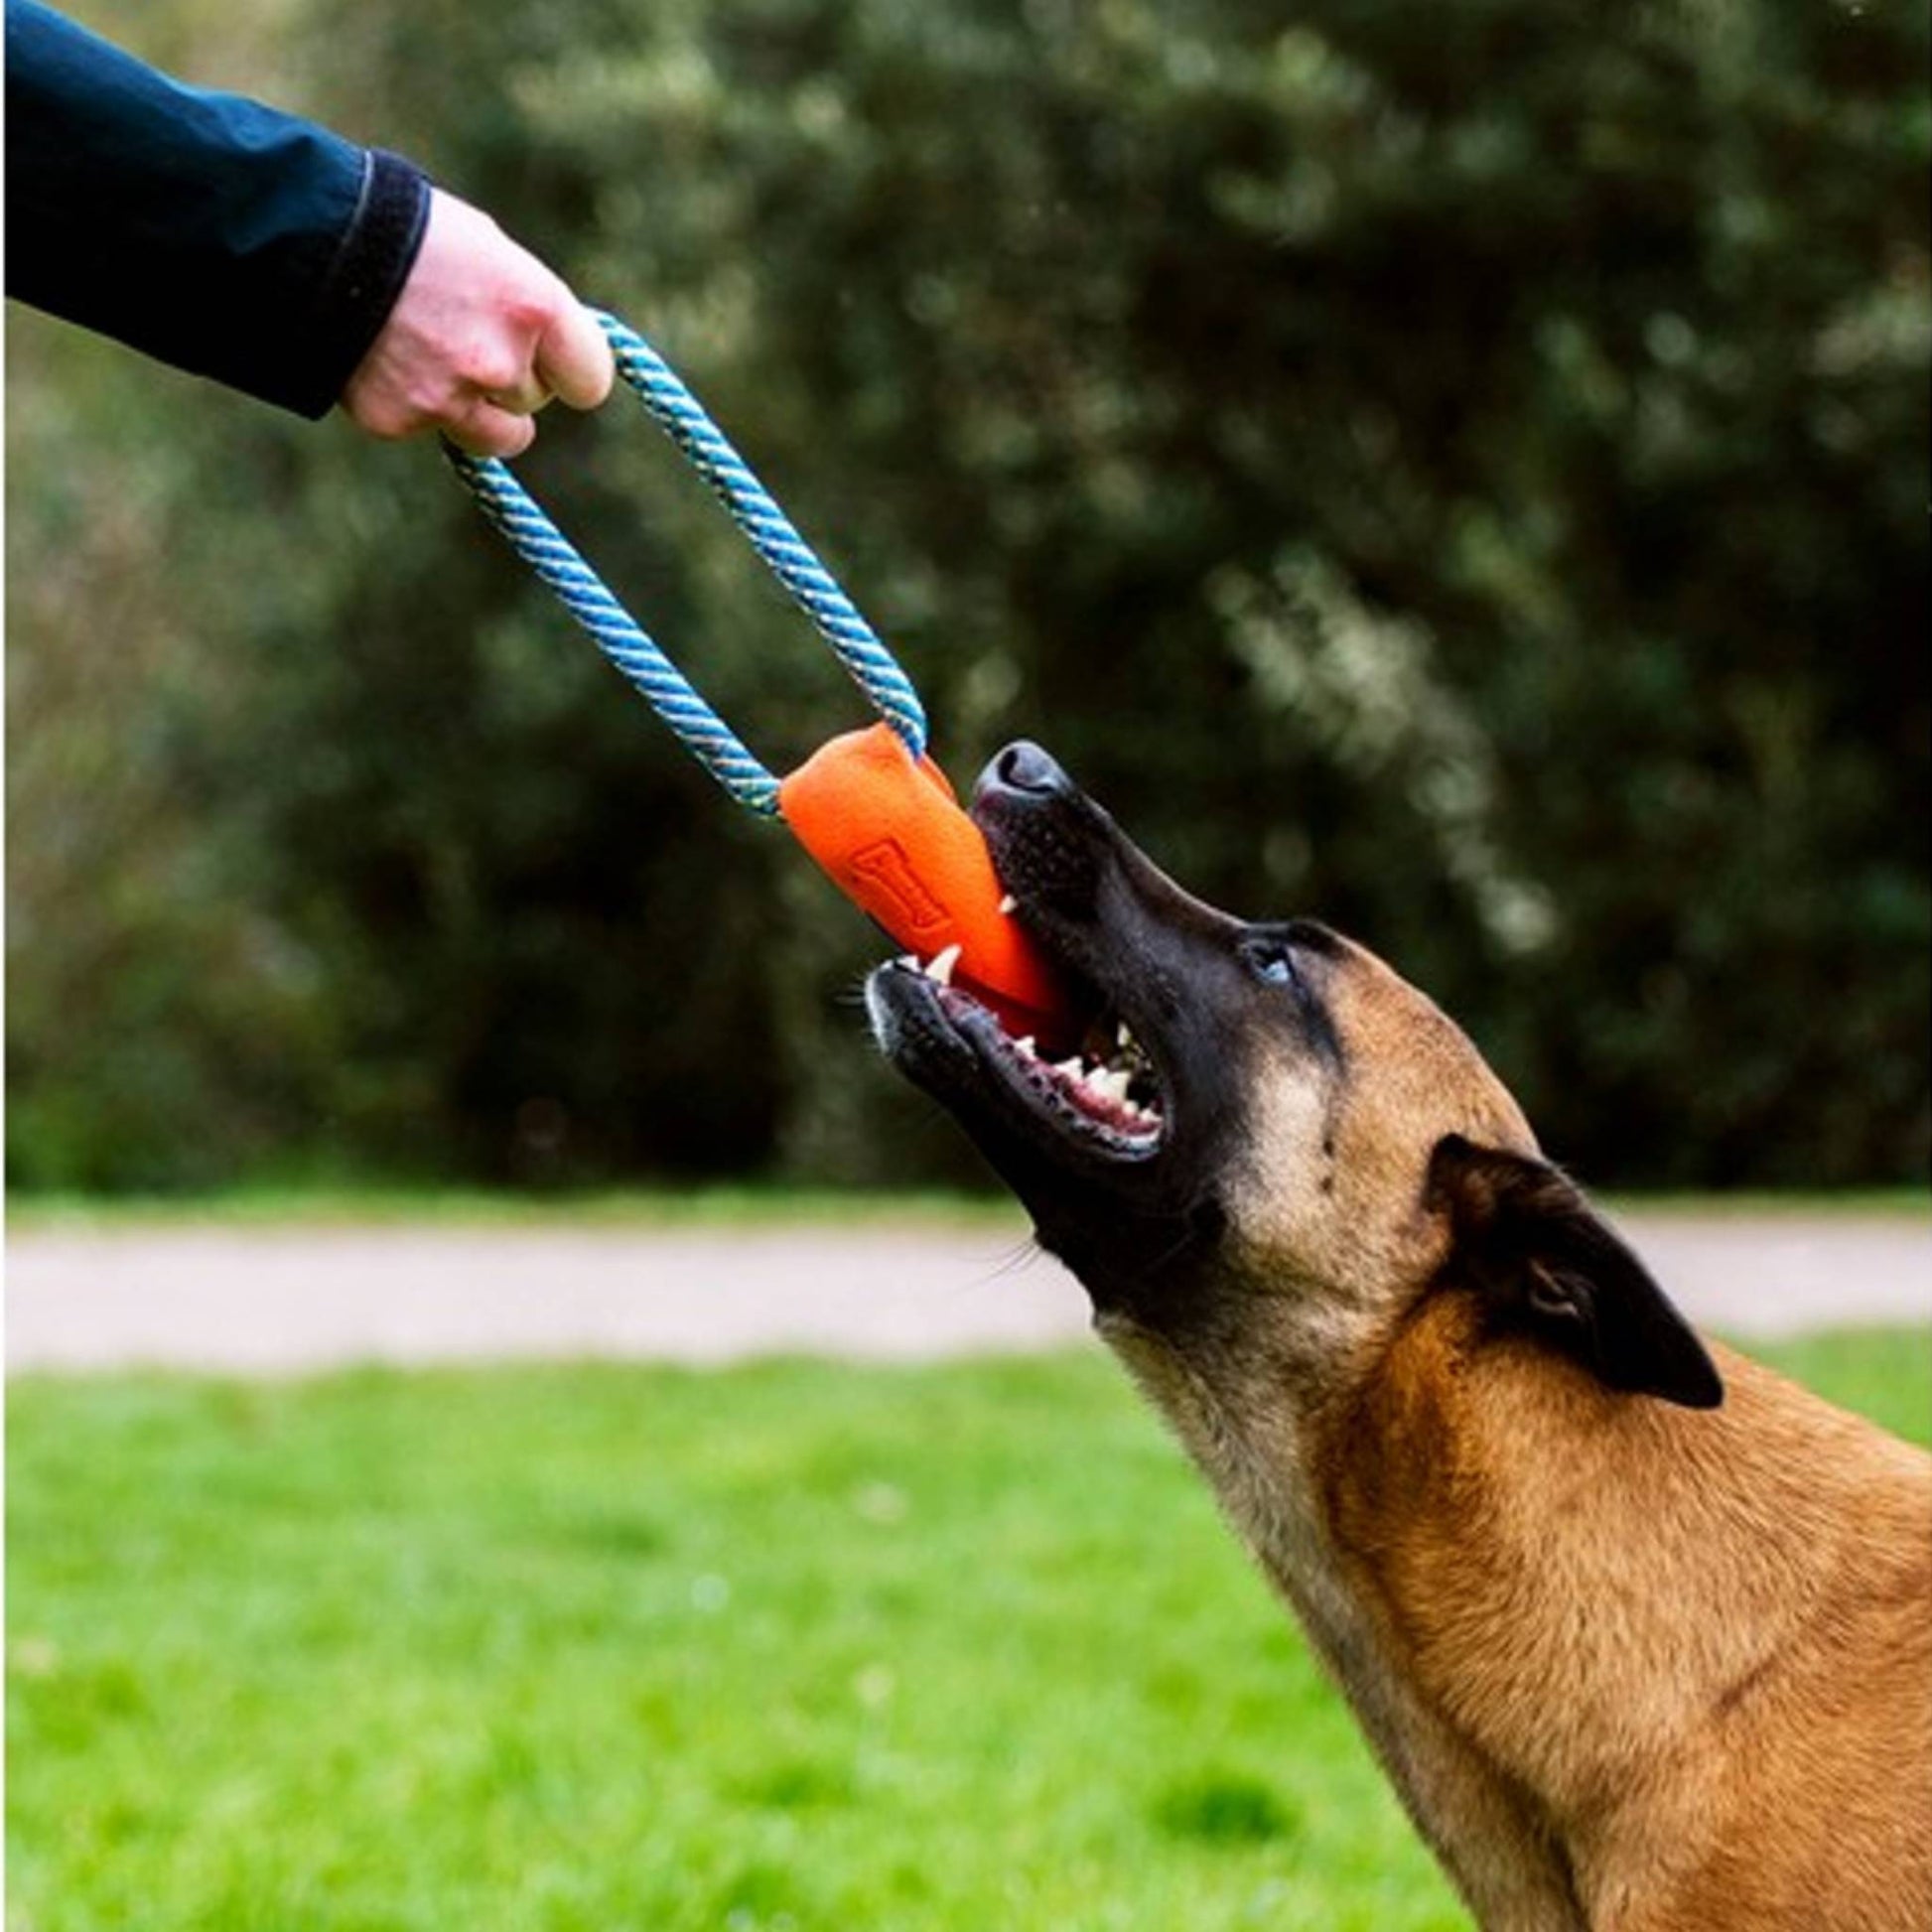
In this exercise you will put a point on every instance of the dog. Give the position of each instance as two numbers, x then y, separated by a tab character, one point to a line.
1641	1631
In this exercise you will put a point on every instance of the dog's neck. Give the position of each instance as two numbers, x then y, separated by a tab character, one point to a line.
1224	1397
1429	1509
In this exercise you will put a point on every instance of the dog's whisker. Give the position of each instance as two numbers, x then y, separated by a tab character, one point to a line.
1019	1257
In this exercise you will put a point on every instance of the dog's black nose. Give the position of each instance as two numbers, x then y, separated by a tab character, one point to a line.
1023	766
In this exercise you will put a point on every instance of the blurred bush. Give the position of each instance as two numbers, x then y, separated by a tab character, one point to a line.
1455	469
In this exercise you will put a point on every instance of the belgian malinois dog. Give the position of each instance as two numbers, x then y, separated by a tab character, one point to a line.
1641	1632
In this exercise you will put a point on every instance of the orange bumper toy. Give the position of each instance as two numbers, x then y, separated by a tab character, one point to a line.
890	835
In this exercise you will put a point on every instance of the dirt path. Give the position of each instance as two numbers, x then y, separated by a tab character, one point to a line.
278	1302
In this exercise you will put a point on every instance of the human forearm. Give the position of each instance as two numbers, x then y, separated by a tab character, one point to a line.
211	231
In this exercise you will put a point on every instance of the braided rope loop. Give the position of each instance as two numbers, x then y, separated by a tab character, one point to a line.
514	512
769	530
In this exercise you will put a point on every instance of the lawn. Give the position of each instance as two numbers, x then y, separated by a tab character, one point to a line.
793	1646
742	1204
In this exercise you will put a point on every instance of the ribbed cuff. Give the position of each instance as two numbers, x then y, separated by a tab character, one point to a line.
369	272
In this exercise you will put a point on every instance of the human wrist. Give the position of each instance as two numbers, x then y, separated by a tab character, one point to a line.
373	263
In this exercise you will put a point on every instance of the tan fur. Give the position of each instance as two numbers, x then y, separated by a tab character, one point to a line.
1631	1666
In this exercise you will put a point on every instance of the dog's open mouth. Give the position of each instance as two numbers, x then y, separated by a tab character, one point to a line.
1107	1097
1113	1148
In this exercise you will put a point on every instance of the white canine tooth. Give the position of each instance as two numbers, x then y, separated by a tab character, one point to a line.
1110	1084
1122	1038
940	966
1072	1068
1008	903
1024	1048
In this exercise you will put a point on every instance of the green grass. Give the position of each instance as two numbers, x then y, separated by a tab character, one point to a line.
741	1205
795	1646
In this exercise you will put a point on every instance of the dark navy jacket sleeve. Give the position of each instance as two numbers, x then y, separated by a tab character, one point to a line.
208	230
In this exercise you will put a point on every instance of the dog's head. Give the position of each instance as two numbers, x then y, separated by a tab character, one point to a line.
1269	1127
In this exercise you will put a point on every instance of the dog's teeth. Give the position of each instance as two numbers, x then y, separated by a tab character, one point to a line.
1024	1048
1072	1068
940	966
1109	1085
1122	1038
1008	903
909	960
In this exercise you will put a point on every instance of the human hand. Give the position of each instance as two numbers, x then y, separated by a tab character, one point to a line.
482	337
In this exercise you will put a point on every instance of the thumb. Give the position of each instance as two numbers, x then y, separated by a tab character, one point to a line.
573	360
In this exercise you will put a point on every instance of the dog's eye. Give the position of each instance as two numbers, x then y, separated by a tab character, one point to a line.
1269	960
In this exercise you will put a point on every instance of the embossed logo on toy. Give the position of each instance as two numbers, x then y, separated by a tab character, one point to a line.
883	866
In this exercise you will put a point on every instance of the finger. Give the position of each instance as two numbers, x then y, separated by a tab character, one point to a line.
523	397
574	358
484	429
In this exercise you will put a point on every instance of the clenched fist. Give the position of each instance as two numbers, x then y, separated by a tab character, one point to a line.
482	337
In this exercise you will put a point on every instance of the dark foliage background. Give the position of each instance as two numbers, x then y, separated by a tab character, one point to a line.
1457	470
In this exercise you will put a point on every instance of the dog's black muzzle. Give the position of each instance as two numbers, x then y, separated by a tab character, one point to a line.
1157	964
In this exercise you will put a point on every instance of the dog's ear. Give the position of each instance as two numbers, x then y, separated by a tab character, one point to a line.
1535	1249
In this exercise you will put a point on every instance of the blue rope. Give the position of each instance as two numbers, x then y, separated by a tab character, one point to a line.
625	641
541	545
